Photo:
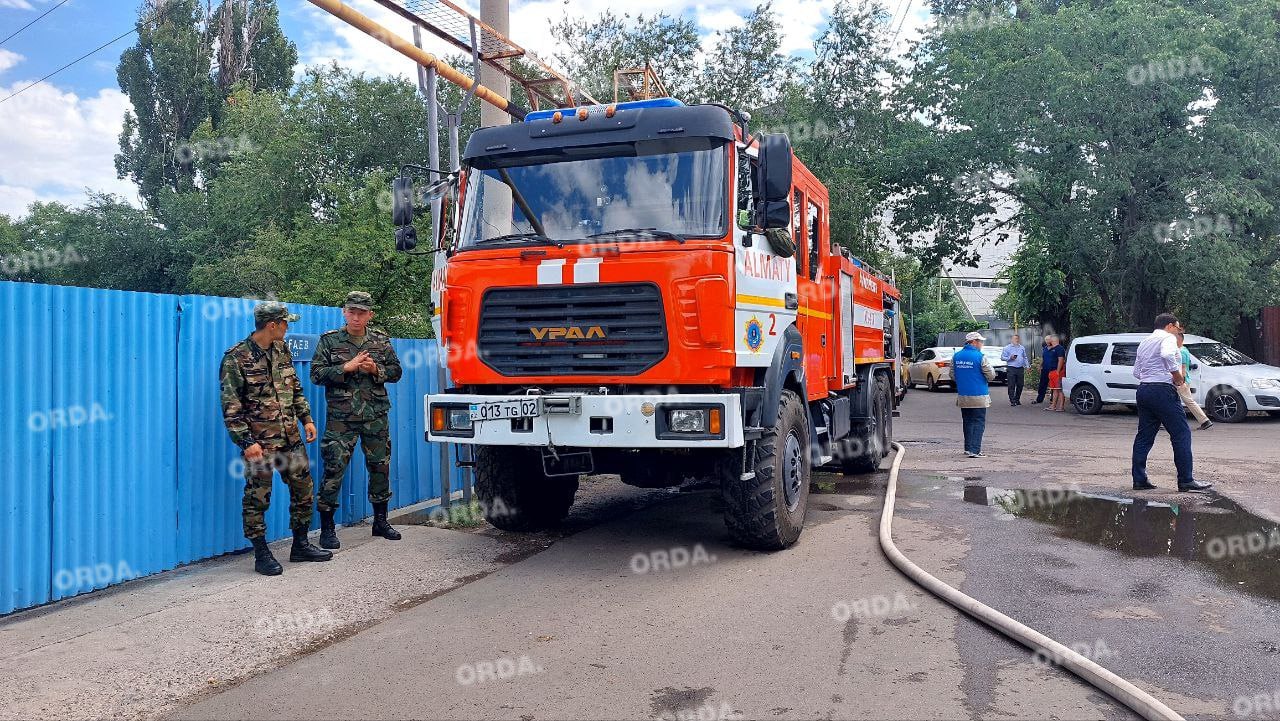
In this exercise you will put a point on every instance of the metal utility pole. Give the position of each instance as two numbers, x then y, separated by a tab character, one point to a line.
497	15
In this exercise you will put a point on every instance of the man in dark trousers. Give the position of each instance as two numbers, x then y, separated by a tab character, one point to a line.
1158	369
1053	357
262	405
354	364
1016	362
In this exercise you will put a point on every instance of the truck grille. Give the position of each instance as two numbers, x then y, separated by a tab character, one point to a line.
614	329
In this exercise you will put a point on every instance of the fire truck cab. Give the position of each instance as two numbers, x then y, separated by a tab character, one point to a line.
646	289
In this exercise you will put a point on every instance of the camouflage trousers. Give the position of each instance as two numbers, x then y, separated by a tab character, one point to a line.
295	471
339	443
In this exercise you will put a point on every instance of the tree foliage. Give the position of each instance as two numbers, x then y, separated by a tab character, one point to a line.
1131	141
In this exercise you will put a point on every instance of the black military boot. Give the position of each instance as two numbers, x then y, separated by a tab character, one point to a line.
263	561
328	537
303	550
380	525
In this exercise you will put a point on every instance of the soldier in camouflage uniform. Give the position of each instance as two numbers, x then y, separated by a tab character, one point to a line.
354	365
262	404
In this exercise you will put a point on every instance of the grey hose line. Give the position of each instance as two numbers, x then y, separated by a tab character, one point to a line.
1142	703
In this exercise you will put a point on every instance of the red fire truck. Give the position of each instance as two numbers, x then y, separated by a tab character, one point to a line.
647	289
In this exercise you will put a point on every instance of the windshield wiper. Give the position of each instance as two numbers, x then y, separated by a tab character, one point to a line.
538	238
652	232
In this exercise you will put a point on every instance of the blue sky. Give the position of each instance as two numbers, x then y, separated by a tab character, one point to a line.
59	138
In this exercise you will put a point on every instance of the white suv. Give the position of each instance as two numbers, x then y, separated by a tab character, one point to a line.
1225	382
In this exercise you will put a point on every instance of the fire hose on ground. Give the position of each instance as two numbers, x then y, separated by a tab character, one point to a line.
1141	702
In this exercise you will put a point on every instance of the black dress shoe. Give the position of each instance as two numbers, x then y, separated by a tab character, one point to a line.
1194	486
1143	487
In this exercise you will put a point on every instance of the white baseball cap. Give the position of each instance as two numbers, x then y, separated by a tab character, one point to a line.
974	336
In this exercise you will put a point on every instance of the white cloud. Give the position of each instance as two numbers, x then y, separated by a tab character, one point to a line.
16	4
8	59
57	144
328	39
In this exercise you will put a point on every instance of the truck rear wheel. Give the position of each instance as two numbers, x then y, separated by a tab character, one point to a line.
863	452
514	492
767	512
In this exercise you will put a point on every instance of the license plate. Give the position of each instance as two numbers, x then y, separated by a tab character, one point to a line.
500	410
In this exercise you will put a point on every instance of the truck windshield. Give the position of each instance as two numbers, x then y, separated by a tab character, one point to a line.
629	197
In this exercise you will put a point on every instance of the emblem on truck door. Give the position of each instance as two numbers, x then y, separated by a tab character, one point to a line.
572	332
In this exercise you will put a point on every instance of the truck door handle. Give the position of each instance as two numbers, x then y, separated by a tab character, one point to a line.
791	301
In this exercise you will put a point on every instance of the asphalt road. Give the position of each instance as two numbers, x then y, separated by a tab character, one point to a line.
596	627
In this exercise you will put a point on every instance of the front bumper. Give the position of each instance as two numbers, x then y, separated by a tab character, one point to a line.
585	420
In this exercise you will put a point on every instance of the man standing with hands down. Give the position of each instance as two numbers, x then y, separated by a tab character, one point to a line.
1015	358
972	373
354	364
262	404
1158	369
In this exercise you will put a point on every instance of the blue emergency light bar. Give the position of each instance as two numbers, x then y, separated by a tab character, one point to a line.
595	109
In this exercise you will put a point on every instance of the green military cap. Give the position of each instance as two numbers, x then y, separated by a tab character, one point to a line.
272	310
359	299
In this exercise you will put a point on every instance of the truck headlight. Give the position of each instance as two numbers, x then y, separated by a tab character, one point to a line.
1265	383
451	419
459	419
686	420
690	421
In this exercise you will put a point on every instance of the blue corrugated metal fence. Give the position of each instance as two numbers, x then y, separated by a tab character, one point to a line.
119	463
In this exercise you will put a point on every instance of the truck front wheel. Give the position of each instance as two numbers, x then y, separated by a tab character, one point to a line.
514	492
767	512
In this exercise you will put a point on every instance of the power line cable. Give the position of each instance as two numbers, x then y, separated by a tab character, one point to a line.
901	22
101	47
33	22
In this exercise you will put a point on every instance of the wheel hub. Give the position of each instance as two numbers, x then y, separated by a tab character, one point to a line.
792	471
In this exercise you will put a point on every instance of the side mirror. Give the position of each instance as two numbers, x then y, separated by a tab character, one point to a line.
401	202
772	181
1195	366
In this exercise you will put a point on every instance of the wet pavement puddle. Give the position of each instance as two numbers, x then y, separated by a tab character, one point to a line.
1240	548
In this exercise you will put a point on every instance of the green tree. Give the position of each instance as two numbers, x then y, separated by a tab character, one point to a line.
166	76
107	243
1095	126
186	62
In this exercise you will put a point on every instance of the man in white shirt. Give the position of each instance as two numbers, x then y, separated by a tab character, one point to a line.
1158	369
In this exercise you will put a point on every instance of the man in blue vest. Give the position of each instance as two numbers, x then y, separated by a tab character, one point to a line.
972	371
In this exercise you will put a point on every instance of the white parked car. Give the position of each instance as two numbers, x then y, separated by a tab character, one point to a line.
932	367
1225	382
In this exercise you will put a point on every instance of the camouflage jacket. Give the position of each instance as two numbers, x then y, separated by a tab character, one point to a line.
262	400
358	395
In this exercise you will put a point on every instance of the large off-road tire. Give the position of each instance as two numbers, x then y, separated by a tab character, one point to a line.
863	451
514	492
767	512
